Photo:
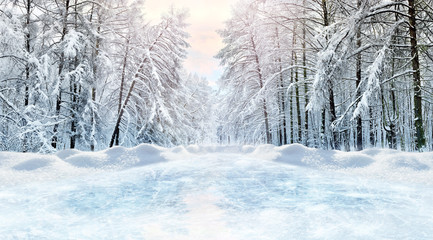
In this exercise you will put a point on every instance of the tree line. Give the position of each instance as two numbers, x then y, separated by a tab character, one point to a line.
333	74
93	74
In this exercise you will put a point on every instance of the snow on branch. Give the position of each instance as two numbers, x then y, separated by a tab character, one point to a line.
372	80
72	43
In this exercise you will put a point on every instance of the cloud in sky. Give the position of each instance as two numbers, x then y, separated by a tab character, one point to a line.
206	16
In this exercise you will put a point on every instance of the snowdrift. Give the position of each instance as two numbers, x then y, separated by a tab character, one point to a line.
376	163
387	164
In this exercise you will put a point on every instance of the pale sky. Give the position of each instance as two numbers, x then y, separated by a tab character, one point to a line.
205	17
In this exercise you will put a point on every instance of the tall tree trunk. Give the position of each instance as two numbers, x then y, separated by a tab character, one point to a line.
28	39
392	131
296	82
292	123
417	99
74	91
331	93
332	111
281	98
358	82
304	64
333	117
265	108
372	128
325	13
323	136
27	72
95	73
122	110
392	126
122	82
282	106
298	104
60	71
391	115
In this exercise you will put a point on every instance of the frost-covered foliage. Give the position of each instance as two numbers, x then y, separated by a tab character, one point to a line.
66	66
339	74
157	102
23	108
247	84
159	81
89	74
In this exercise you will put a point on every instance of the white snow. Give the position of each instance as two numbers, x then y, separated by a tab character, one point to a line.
385	164
72	43
216	192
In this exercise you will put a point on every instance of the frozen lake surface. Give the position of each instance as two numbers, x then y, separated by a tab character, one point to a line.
216	196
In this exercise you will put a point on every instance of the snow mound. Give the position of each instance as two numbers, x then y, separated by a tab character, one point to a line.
386	164
117	157
404	160
377	163
18	168
300	155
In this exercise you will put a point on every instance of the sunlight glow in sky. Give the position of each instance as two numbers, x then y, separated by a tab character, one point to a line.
206	16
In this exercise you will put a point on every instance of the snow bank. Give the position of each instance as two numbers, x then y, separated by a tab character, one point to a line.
29	167
376	163
393	165
116	158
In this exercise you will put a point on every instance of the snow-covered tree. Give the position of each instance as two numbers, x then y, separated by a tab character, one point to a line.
246	58
156	82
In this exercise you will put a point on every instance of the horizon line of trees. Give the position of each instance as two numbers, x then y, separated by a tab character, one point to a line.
332	74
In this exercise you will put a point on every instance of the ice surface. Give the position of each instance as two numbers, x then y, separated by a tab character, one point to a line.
215	193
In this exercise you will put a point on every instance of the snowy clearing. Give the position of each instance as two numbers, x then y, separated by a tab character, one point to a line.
216	192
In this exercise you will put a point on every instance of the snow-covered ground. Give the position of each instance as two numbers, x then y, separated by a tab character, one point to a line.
216	192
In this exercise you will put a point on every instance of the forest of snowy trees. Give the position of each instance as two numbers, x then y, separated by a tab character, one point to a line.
333	74
92	74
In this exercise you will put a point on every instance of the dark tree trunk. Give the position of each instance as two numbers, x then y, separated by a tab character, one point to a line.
292	124
119	117
95	71
298	106
331	91
283	112
391	131
304	64
27	72
281	98
333	117
28	39
417	99
122	82
61	66
323	130
359	133
74	90
296	81
372	128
